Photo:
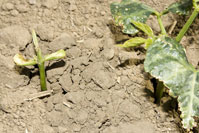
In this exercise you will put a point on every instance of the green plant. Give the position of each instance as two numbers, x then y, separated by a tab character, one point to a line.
165	58
39	60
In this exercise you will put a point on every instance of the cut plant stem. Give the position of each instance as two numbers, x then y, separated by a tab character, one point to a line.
159	91
40	61
187	25
163	31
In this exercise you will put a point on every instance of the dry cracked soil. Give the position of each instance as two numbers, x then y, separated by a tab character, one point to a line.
97	88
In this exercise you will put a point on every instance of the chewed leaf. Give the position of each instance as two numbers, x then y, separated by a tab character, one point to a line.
133	42
128	10
182	7
166	60
144	27
21	61
57	55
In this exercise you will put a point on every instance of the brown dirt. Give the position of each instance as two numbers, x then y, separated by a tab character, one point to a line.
98	88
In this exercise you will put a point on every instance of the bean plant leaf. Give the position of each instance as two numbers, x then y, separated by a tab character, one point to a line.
196	4
21	61
133	42
148	42
166	60
182	7
57	55
144	27
128	10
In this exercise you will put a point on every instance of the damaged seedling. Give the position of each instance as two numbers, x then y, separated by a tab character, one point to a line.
165	58
39	60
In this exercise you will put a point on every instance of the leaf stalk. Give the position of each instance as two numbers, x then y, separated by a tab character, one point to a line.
163	31
187	25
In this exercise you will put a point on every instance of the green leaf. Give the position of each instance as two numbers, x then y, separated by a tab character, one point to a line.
148	42
57	55
196	4
133	42
128	10
166	60
21	61
181	8
144	27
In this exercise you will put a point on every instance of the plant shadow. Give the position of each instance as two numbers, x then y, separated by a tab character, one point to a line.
31	72
56	64
167	102
149	94
27	71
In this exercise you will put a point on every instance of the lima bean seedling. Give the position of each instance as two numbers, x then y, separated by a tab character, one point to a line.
39	60
165	58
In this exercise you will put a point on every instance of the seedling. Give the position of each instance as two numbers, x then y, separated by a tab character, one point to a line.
165	58
39	60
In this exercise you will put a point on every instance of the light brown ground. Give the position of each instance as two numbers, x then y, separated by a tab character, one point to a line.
95	90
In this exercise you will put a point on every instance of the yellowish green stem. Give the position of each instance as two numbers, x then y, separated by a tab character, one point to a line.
163	31
187	25
40	61
42	76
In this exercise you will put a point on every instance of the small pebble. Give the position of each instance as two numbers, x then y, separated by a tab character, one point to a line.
14	12
103	13
87	16
22	8
9	6
73	8
32	2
